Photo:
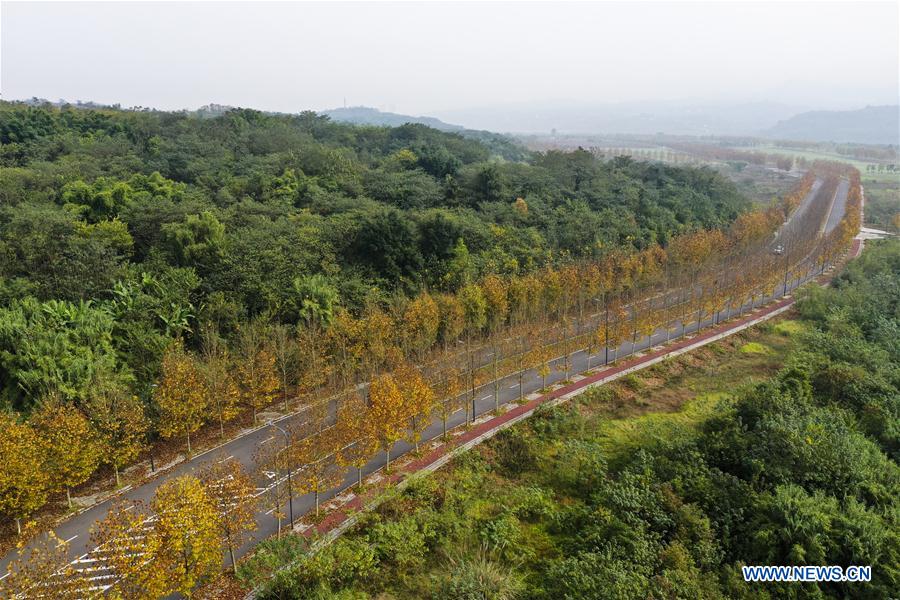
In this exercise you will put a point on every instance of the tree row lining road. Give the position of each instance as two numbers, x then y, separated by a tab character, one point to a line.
76	530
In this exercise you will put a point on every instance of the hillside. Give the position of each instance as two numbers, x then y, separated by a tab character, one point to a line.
363	115
499	145
869	125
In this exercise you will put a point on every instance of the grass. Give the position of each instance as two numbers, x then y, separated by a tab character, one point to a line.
788	327
754	348
620	436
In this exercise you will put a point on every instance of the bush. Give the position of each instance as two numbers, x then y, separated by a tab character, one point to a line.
477	578
514	451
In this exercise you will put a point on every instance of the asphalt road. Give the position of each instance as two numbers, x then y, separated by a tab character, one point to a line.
76	530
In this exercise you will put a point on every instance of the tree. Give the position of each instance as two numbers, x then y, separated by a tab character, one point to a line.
418	401
118	417
72	448
45	572
257	370
231	492
188	529
420	324
355	434
222	390
450	397
388	414
24	480
132	549
313	456
181	395
284	346
55	347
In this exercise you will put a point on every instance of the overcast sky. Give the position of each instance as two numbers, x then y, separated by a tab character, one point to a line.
426	58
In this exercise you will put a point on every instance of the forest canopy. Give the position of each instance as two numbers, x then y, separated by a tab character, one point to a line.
122	230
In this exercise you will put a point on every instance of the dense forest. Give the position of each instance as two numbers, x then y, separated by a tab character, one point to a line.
800	468
133	228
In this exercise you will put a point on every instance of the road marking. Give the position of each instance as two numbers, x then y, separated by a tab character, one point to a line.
514	386
70	539
225	459
268	439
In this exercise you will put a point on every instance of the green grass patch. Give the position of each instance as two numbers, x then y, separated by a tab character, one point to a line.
788	327
755	348
621	436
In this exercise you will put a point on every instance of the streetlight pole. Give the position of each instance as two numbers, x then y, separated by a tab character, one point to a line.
287	444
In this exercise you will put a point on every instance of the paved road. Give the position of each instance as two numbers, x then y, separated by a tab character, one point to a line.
77	529
839	207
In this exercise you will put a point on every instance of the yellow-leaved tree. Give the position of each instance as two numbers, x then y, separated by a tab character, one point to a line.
221	387
231	492
72	448
418	402
356	436
24	482
181	394
45	571
388	414
188	529
257	369
118	418
131	549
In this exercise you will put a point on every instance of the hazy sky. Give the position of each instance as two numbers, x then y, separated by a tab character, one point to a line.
422	58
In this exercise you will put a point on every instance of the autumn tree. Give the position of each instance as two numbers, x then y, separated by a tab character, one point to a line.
24	482
131	549
356	436
231	492
313	458
118	418
72	448
450	397
221	388
45	571
452	319
284	347
418	402
496	302
188	530
388	414
257	371
420	325
180	395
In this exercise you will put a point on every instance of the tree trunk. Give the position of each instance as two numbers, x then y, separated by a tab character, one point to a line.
116	470
359	476
317	502
233	561
387	462
189	443
69	497
19	525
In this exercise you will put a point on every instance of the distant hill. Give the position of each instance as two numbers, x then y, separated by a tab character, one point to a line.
498	144
364	115
869	125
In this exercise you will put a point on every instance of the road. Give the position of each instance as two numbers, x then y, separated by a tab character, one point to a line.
76	530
